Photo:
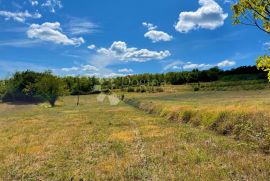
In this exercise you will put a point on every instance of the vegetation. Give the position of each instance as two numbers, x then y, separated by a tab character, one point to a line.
241	114
50	88
32	86
255	13
2	89
122	143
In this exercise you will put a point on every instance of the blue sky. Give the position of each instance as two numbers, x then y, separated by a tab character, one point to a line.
108	38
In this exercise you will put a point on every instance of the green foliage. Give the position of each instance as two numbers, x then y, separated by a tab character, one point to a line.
29	86
253	12
263	63
80	85
50	88
131	89
2	88
22	87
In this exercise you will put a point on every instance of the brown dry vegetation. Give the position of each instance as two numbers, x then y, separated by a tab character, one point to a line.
242	114
96	141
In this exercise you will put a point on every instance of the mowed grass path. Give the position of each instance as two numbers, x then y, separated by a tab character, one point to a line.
96	141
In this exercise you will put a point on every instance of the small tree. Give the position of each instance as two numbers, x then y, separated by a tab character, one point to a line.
2	88
50	88
254	13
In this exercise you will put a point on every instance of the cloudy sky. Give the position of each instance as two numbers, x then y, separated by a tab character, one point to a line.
108	38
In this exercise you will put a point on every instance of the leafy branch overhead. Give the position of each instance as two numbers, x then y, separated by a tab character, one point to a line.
253	13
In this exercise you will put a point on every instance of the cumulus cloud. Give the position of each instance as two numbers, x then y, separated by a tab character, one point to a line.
52	4
91	47
125	70
226	63
156	35
179	65
119	50
209	16
19	16
52	32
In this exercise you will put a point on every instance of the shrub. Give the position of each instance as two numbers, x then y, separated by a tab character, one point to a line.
131	89
159	89
196	89
143	89
186	117
50	88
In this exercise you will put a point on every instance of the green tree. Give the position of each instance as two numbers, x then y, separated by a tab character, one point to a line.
254	13
2	88
50	88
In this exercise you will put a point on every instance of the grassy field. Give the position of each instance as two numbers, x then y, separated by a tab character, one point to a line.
241	114
97	141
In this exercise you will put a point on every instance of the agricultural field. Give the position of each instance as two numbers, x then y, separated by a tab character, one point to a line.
98	141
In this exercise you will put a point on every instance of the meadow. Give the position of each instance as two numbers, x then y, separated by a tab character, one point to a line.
241	114
97	141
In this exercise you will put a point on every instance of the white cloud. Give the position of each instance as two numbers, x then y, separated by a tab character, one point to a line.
79	26
52	32
173	65
125	70
19	16
209	16
267	45
22	43
149	26
112	75
80	69
226	63
70	69
91	47
197	66
52	4
89	68
222	64
119	50
156	35
34	2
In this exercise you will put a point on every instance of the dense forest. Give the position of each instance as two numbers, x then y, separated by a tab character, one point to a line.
33	86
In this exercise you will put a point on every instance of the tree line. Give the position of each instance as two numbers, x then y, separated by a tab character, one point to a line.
30	86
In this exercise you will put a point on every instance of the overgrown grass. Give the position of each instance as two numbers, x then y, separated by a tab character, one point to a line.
232	85
96	141
243	115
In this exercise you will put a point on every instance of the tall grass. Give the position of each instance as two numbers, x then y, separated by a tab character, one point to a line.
251	127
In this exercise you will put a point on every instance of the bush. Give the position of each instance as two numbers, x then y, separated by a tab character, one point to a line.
159	89
22	87
50	88
2	89
196	89
143	89
131	89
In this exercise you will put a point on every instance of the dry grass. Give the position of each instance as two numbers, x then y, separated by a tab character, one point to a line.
96	141
243	114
